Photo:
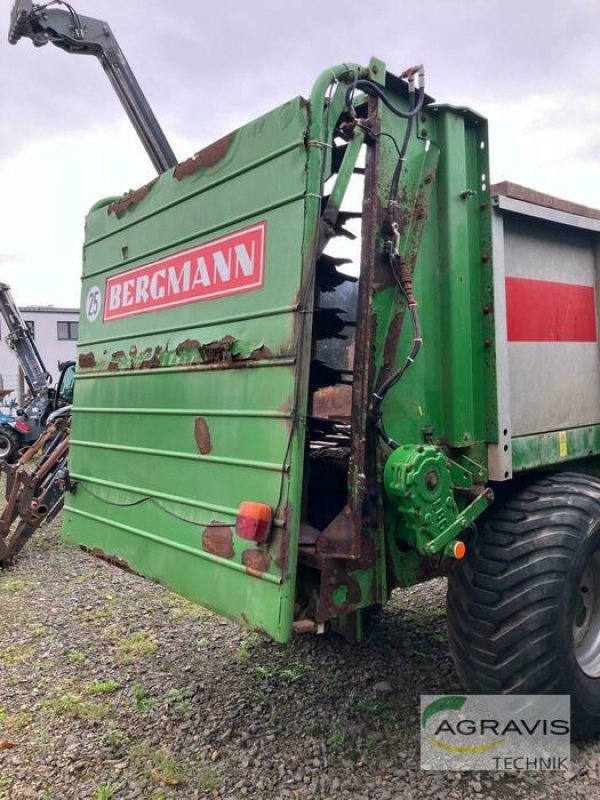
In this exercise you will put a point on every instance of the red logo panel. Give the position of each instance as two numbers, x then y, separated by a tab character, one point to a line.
228	265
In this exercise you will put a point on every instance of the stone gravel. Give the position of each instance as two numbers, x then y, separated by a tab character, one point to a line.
114	687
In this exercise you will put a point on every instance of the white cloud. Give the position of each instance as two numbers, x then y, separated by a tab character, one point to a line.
535	142
53	183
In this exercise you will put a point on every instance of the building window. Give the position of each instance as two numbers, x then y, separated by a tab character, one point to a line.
31	325
68	330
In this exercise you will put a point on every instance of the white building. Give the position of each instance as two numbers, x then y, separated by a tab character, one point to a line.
55	332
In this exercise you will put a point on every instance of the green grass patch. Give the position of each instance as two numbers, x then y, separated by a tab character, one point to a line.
12	585
98	617
275	717
375	708
368	706
76	706
371	747
170	769
13	654
13	724
37	629
137	645
289	674
243	653
76	656
262	673
316	729
17	723
107	792
87	578
102	687
115	738
182	609
293	673
142	698
262	697
178	701
208	780
166	767
336	739
441	638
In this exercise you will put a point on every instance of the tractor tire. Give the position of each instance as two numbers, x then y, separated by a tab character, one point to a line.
524	605
9	445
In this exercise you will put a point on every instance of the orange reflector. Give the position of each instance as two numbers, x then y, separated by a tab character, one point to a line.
253	521
459	550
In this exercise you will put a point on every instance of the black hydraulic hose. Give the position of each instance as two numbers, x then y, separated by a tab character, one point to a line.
415	106
394	185
74	15
399	164
417	342
368	87
404	281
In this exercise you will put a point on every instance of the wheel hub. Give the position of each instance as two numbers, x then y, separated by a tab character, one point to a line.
5	446
586	619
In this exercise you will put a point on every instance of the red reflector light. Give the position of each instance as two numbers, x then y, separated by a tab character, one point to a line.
459	550
21	426
253	521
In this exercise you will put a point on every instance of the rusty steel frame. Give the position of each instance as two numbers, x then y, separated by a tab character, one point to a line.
34	497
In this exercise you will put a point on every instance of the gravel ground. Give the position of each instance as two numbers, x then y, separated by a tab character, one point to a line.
113	687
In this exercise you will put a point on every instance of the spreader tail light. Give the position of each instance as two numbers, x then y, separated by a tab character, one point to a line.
459	550
253	521
22	426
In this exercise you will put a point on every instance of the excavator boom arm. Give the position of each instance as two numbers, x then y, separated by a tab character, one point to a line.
21	341
81	35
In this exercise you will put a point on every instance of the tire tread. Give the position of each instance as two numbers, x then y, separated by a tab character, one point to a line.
504	599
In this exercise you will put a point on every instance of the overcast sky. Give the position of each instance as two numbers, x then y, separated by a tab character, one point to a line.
532	67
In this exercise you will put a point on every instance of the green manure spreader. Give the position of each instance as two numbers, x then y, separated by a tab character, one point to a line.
285	436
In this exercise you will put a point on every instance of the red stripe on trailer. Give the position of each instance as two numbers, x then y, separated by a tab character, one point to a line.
549	311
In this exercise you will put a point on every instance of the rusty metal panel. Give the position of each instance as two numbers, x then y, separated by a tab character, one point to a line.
187	373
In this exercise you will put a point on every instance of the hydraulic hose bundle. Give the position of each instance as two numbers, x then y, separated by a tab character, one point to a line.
400	271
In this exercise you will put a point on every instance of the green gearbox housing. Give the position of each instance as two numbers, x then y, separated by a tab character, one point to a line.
423	485
419	483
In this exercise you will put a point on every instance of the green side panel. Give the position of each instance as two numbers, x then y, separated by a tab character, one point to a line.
183	413
448	396
554	448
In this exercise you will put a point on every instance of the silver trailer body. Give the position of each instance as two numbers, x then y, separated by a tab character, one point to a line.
546	255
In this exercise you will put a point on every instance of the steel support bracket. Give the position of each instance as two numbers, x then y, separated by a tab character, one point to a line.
464	520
